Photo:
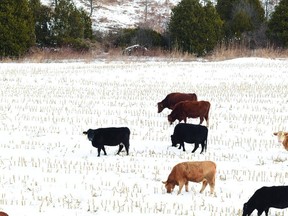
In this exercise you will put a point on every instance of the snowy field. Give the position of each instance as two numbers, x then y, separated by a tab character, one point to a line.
48	167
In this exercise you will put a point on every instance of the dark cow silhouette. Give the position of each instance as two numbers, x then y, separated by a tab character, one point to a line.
109	136
190	109
173	98
190	133
265	198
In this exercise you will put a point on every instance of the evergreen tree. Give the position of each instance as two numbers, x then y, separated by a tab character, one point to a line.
240	16
278	25
43	21
88	33
70	25
195	28
16	28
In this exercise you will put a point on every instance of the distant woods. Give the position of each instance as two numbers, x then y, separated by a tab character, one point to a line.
194	27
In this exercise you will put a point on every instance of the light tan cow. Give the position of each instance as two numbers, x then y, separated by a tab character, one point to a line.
198	171
282	138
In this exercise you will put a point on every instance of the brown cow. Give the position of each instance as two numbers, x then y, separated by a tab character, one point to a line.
199	171
173	98
3	214
190	109
282	138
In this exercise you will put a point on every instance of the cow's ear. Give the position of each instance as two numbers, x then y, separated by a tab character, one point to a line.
286	133
275	133
164	182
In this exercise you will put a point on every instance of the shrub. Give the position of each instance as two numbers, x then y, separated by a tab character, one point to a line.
195	28
278	25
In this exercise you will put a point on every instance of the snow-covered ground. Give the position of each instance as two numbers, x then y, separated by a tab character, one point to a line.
48	167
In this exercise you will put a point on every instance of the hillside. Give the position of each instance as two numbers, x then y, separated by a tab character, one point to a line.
114	14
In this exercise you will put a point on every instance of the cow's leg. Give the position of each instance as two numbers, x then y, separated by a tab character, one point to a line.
207	121
99	150
181	184
202	147
127	147
182	144
195	147
204	184
186	186
120	148
260	211
266	211
201	120
103	148
212	185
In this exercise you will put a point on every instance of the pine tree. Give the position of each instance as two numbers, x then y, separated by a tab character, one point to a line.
16	28
240	16
70	25
278	25
195	28
42	20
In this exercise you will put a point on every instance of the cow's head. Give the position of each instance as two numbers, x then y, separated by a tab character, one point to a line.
247	210
281	135
169	186
90	134
160	107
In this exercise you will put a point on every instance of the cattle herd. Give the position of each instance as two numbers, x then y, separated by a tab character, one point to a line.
185	106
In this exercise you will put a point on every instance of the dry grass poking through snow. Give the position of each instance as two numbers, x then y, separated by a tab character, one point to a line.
49	168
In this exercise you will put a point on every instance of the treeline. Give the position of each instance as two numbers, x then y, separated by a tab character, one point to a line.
28	23
193	27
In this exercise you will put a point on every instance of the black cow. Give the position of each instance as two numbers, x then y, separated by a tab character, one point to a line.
265	198
190	133
109	136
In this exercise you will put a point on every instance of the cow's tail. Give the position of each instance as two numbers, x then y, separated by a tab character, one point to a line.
206	141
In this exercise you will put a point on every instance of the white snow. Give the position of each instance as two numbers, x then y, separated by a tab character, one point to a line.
48	167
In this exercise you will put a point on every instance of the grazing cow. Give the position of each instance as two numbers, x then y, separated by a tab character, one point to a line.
282	138
3	214
190	133
200	171
265	198
190	109
110	137
173	98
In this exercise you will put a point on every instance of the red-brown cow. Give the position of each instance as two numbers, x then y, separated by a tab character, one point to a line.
190	109
173	98
3	214
282	138
198	171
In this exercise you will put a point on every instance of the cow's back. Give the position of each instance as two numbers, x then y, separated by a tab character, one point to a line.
198	108
199	170
185	131
275	196
3	214
175	98
111	136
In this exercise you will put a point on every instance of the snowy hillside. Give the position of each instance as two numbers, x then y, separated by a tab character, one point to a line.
112	14
109	15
